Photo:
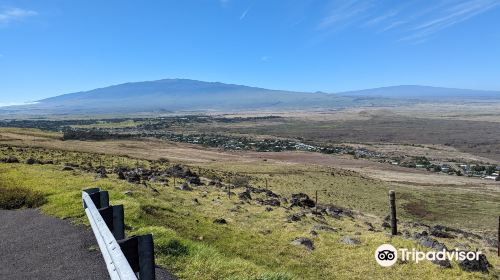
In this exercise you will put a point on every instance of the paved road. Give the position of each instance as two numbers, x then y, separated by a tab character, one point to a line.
36	246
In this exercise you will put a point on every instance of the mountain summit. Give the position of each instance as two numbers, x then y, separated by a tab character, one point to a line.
183	95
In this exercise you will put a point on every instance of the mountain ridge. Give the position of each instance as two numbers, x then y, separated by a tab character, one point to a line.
177	95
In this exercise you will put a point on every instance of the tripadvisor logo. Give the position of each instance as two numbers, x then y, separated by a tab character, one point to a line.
387	255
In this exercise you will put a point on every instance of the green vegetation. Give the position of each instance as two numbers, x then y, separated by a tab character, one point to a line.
17	197
254	244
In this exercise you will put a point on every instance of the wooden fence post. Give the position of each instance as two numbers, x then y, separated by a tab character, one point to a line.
394	222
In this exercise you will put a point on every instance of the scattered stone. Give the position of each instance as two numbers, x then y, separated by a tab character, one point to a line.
245	195
442	263
430	242
185	187
314	233
338	212
129	193
269	209
295	217
302	241
480	265
271	202
266	231
370	226
31	161
121	176
220	221
440	231
350	241
324	228
301	200
11	160
68	168
491	242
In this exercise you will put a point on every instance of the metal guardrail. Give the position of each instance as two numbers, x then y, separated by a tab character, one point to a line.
124	257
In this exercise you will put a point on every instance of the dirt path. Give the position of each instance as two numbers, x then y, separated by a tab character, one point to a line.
36	246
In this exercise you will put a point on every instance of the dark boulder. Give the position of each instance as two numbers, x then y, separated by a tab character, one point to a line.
245	195
430	242
271	202
220	221
194	180
31	161
338	212
442	263
301	200
11	160
440	231
480	265
295	217
302	241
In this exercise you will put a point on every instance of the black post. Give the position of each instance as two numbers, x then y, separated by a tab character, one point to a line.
394	223
118	222
139	251
100	199
316	203
146	257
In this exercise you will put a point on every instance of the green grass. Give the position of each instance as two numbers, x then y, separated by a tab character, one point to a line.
18	197
255	244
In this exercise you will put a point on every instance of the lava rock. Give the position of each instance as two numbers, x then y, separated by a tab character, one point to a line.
442	263
295	217
245	195
220	221
301	200
430	242
440	231
480	265
350	241
185	187
324	228
302	241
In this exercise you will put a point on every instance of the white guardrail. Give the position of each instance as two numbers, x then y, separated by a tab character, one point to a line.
116	262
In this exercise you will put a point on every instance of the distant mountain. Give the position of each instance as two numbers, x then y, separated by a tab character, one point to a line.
173	95
424	93
183	95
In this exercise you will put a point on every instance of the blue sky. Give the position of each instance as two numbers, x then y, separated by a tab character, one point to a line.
54	47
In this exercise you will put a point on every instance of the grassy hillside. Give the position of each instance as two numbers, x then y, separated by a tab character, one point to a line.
255	242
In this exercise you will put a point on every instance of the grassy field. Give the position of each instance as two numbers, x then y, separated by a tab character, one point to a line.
255	243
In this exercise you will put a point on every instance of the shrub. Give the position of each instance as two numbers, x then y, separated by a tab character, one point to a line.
15	198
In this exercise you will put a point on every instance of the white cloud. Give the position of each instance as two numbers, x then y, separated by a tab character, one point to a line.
13	14
412	21
264	58
244	14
